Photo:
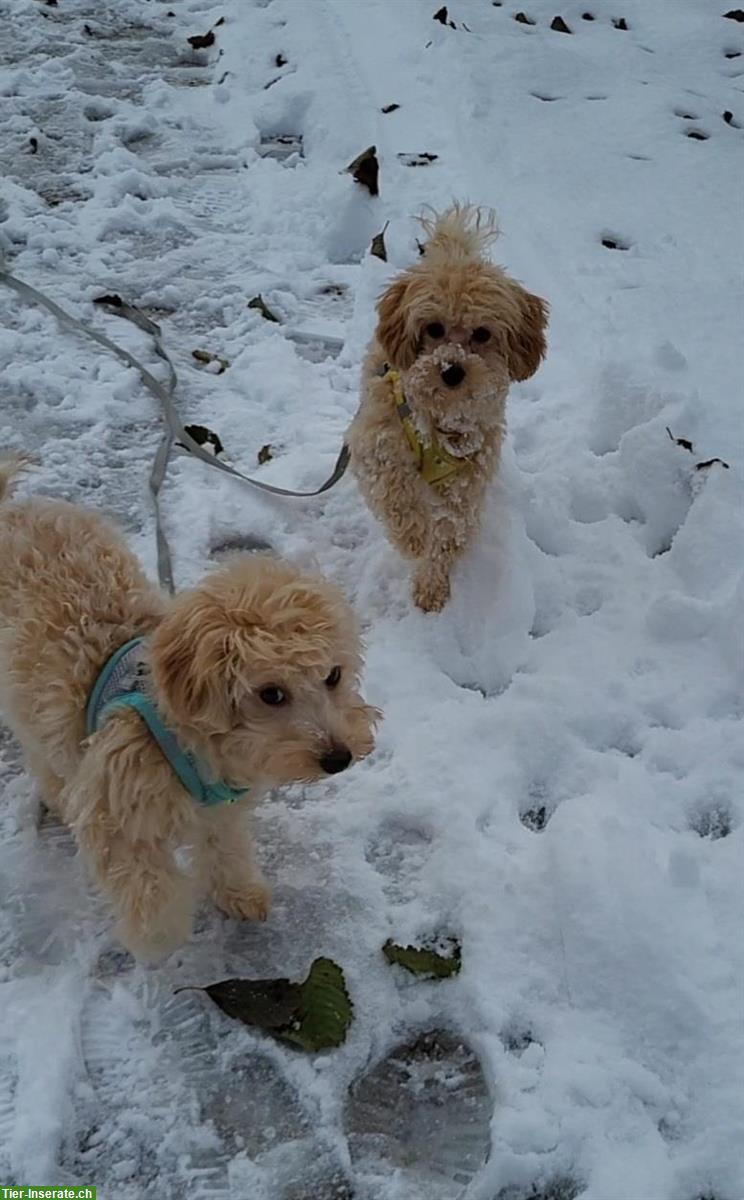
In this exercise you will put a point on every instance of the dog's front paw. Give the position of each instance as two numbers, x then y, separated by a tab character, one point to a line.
430	592
248	903
152	944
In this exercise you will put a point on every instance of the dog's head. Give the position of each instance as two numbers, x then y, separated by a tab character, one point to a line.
257	668
458	320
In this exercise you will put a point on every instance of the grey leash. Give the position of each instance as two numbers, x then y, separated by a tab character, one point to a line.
175	430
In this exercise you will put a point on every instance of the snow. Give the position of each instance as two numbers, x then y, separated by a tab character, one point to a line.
558	778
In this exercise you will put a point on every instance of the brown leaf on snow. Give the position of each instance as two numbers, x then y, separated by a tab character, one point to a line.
377	247
365	169
259	303
683	442
709	463
200	41
265	454
559	25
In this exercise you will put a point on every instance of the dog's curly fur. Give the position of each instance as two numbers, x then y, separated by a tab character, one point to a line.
456	287
70	594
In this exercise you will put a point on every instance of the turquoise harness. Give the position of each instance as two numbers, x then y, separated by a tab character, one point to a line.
119	685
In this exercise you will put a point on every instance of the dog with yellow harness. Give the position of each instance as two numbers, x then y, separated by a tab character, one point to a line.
453	332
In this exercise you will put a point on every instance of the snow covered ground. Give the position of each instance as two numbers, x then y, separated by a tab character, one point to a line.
558	780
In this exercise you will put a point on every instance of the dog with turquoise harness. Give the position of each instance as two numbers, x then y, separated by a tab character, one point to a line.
152	723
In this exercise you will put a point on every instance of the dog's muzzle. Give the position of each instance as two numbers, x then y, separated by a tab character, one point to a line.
453	374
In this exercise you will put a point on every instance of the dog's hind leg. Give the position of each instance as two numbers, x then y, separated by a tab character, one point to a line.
226	864
153	900
48	783
127	822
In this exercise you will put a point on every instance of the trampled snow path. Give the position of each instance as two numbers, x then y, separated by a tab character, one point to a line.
556	779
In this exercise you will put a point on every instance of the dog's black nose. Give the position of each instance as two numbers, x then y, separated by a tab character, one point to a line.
453	375
336	760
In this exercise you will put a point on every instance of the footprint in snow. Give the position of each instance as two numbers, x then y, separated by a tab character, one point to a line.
425	1112
516	1037
398	851
560	1187
714	821
173	1092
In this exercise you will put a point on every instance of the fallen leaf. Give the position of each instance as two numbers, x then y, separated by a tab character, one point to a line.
271	1004
378	244
204	437
200	41
524	19
424	961
559	25
418	160
314	1015
34	144
441	15
204	356
280	61
709	463
265	454
218	23
112	298
365	169
390	108
259	303
683	442
736	14
619	22
326	1011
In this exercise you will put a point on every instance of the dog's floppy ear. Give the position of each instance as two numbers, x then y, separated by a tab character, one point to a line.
191	663
526	340
393	329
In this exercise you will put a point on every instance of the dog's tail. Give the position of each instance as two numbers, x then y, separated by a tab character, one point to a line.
463	231
10	467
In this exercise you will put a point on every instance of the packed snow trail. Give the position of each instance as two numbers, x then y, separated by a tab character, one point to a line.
558	778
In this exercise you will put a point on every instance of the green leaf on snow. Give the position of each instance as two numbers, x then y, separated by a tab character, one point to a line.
314	1015
424	961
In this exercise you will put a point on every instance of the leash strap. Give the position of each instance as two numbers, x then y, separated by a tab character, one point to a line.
175	430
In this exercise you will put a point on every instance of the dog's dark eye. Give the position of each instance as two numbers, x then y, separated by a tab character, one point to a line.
481	334
273	695
435	329
334	677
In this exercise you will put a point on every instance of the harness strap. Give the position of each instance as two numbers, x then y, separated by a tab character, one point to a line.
116	688
175	430
434	463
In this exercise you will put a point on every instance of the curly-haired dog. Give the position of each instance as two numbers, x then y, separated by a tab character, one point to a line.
453	331
252	675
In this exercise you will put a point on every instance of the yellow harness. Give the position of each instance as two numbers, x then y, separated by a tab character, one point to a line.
435	465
